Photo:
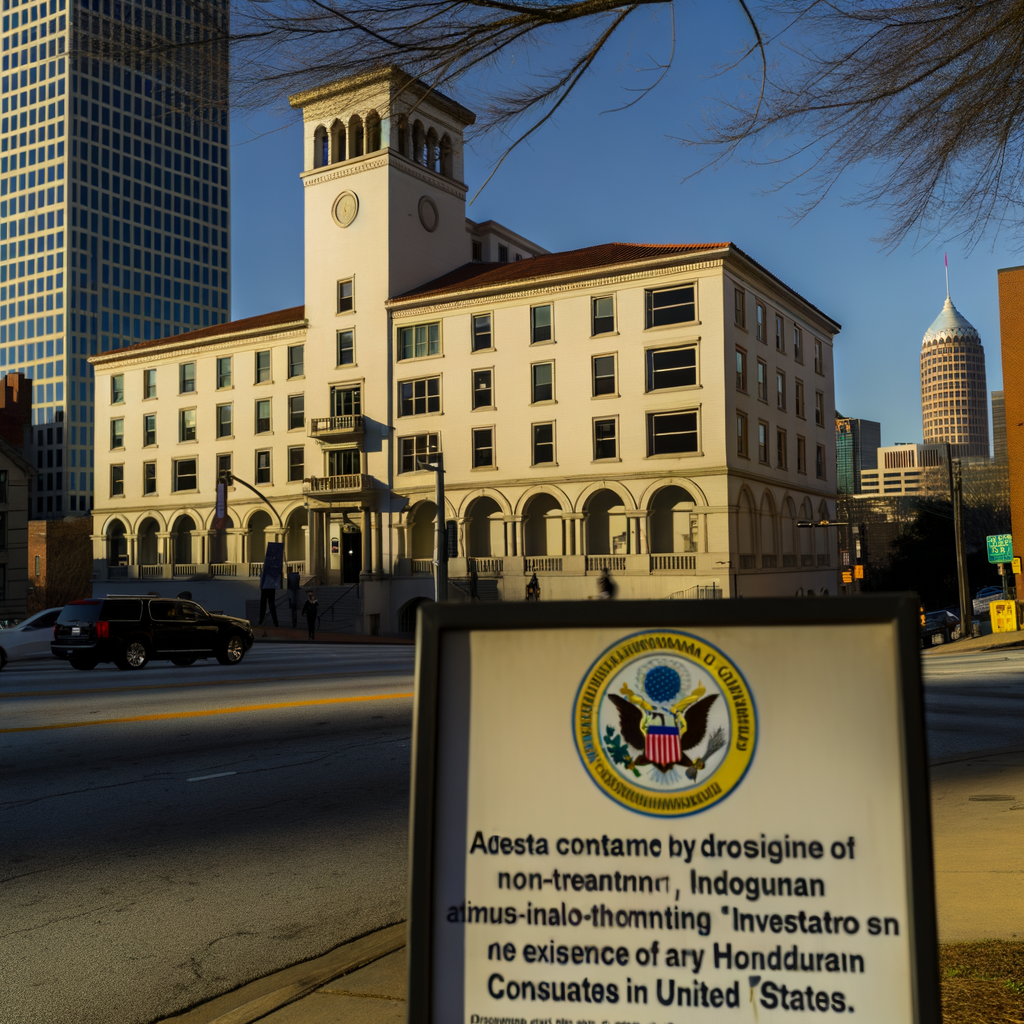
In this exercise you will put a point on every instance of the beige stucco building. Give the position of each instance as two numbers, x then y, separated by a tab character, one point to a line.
660	411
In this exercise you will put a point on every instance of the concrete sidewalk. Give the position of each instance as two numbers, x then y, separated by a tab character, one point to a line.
977	644
285	634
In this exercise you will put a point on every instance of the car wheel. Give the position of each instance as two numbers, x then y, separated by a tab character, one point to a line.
83	664
135	656
232	650
183	662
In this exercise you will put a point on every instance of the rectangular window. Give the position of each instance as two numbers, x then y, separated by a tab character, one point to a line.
801	454
482	338
183	476
296	464
762	441
603	373
343	462
780	390
819	462
116	481
296	360
798	386
417	397
116	434
117	389
149	430
346	348
419	341
819	357
483	389
819	409
263	467
296	412
671	305
346	296
186	378
780	337
781	450
762	324
542	382
186	424
602	315
262	367
543	443
540	324
742	435
483	447
224	421
503	254
415	452
740	308
346	401
149	383
798	344
671	368
606	443
224	372
762	380
263	416
223	465
672	433
741	370
149	478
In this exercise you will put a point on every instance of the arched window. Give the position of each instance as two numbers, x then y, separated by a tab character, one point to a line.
372	132
673	527
407	614
402	131
485	529
320	152
769	558
117	544
337	142
355	136
446	158
543	526
431	156
418	143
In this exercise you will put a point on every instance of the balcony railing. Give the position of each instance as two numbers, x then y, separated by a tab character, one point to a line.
184	569
151	571
224	569
613	563
255	569
673	563
349	483
423	565
117	572
335	426
542	565
489	566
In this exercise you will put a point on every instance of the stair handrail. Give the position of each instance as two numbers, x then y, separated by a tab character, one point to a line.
340	597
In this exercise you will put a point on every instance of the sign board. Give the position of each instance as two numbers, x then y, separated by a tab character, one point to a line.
1004	616
273	564
671	810
1000	547
847	575
858	572
1016	566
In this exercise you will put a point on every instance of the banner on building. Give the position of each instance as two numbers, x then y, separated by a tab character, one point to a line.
660	811
273	565
220	519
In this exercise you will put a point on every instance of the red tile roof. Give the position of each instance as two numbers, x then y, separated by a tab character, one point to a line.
251	323
480	275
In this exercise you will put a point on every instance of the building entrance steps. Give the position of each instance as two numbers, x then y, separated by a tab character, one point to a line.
340	609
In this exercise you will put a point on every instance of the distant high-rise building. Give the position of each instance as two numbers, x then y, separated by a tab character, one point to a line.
857	444
906	469
954	396
999	426
114	208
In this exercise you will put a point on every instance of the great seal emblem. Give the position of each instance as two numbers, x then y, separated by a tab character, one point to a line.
665	723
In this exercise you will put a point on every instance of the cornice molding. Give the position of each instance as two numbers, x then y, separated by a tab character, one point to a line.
384	158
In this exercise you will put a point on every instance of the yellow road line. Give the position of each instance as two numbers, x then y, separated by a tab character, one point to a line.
214	711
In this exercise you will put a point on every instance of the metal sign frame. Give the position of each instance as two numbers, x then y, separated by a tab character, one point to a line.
1005	547
901	609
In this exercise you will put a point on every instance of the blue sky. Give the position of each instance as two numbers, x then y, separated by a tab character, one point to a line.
589	177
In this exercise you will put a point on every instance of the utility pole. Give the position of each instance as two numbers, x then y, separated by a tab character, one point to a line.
957	493
441	533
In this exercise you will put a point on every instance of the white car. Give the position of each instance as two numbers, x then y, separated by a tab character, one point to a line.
29	639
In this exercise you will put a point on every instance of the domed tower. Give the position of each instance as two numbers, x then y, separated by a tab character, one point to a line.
954	395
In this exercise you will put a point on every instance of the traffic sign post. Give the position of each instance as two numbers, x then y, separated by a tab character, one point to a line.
1000	547
621	809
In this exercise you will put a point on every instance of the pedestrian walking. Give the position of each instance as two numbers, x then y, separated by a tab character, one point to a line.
606	586
311	609
533	589
268	602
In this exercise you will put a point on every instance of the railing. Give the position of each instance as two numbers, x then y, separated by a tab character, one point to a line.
599	562
255	569
299	567
184	569
224	569
673	562
148	572
330	609
542	565
325	484
335	425
117	572
423	565
824	559
789	561
487	565
713	592
769	561
746	561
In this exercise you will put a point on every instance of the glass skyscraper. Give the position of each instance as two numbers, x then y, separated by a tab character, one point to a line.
114	204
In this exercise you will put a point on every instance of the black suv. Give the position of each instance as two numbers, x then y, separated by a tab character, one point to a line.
131	631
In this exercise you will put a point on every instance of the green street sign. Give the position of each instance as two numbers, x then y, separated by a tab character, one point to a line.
1000	547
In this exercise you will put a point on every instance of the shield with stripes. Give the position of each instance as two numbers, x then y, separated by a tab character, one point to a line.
662	744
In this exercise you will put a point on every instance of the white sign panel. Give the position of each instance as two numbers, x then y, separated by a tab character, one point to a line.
671	813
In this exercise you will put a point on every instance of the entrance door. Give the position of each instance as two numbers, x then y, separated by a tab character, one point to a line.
351	556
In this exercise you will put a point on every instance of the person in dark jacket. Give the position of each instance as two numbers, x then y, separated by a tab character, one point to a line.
311	609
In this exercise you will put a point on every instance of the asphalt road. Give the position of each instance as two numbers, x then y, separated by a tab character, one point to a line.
973	701
147	865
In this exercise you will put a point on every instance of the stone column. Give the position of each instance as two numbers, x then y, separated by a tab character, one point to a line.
572	532
164	539
366	541
377	546
517	536
236	539
461	526
132	541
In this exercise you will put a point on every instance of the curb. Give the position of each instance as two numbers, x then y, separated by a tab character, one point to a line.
265	995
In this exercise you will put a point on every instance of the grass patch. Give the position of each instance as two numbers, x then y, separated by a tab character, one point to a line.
982	982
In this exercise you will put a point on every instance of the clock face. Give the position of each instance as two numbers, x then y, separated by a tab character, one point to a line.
346	206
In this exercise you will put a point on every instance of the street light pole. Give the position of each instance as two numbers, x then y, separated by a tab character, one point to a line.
441	534
966	607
